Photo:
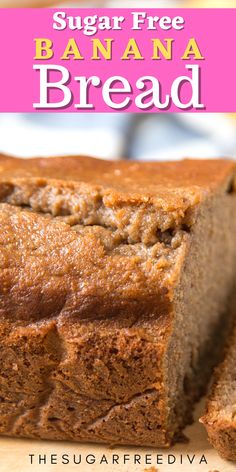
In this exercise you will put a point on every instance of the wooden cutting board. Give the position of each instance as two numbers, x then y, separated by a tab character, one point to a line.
14	456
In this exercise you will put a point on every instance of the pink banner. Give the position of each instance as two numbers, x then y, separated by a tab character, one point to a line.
118	60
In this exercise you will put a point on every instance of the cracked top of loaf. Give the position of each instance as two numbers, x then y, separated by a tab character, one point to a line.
123	195
96	238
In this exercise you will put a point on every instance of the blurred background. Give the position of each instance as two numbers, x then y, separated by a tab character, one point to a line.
113	136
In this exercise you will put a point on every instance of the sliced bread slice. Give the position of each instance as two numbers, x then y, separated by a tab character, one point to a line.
220	416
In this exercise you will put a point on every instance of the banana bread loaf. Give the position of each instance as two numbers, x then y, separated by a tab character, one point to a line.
220	417
114	280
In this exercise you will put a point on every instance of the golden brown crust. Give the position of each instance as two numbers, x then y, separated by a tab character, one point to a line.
137	199
223	438
123	176
220	416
